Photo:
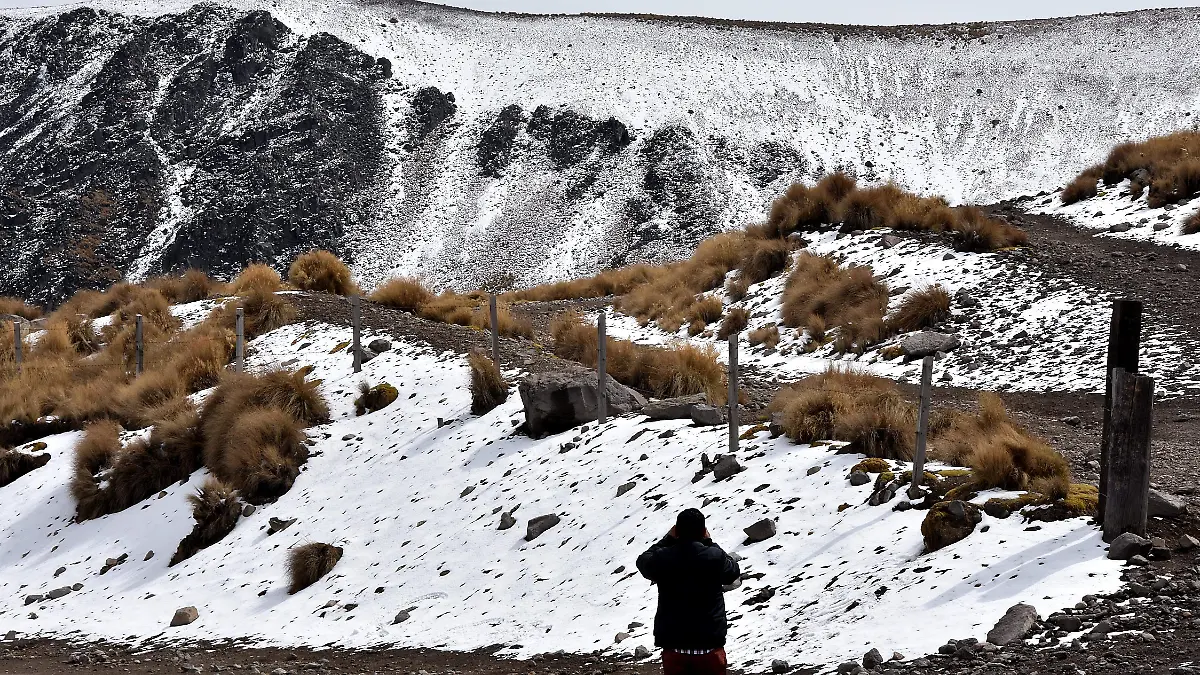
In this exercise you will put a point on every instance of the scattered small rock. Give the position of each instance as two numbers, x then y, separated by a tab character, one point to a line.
184	616
760	531
537	526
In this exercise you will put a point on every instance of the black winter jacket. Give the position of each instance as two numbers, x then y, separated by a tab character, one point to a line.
691	606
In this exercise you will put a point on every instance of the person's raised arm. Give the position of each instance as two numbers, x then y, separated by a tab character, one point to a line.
650	562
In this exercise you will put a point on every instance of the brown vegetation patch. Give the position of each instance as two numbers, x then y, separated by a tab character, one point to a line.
257	278
767	336
373	399
14	464
19	308
308	563
323	272
923	308
488	387
404	293
735	321
1172	163
216	510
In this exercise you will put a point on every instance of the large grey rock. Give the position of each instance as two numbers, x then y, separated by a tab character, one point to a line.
872	659
708	416
673	408
859	478
184	616
760	531
563	399
1127	545
1165	505
380	346
726	467
58	593
506	521
927	343
539	525
1014	625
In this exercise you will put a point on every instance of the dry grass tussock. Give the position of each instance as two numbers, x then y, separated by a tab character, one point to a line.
373	399
488	387
508	324
257	278
735	321
1191	225
663	372
767	336
866	411
263	312
308	563
1000	452
216	510
14	464
1171	164
322	271
404	293
19	308
609	282
191	286
923	308
820	295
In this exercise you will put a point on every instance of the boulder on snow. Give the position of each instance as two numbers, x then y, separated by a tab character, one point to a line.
184	616
1165	505
562	399
679	408
948	523
539	525
760	531
872	659
380	346
707	415
1014	625
927	343
726	466
1127	545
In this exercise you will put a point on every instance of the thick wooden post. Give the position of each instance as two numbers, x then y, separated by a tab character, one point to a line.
139	340
494	322
733	393
602	366
239	350
1124	340
914	490
356	330
18	352
1130	427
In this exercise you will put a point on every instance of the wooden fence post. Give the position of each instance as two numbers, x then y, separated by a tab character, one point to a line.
914	490
356	330
602	366
1129	432
1124	339
733	393
239	350
18	352
494	321
139	336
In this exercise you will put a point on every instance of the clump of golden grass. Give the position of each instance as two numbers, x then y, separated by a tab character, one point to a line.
263	312
706	310
19	308
308	563
923	308
767	336
735	321
820	295
322	271
257	278
453	308
14	464
1191	225
1084	186
373	399
216	510
508	324
1000	452
663	372
405	293
1172	162
609	282
488	387
191	286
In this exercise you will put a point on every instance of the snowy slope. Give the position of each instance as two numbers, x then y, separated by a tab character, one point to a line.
415	507
720	118
1123	217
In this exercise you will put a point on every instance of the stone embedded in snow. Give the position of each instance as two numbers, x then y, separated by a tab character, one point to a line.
621	637
1071	624
726	467
1139	561
780	666
184	616
1127	545
948	523
380	346
539	525
641	652
249	510
506	521
889	240
760	531
927	343
622	489
466	491
859	478
563	399
775	426
368	354
1014	625
402	616
679	408
707	415
1165	505
30	599
278	525
59	571
58	593
849	668
872	659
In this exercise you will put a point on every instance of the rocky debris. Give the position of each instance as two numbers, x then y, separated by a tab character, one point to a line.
31	599
779	666
927	343
184	616
849	668
889	240
537	526
857	478
1014	625
948	523
563	399
1165	506
403	615
641	652
726	466
1187	543
507	520
249	510
278	525
679	408
626	487
760	531
621	637
58	593
113	562
380	346
872	659
707	415
1128	545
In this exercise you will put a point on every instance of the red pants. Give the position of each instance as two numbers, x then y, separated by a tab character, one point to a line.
712	663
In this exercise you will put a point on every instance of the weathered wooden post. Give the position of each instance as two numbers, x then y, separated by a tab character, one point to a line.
239	350
914	490
733	393
494	321
18	352
356	330
602	366
1129	431
140	345
1124	340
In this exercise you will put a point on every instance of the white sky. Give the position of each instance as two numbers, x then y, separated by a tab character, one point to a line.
874	12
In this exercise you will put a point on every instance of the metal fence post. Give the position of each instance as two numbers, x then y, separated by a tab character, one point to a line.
494	320
356	329
18	353
1124	340
1130	427
139	338
239	351
733	393
602	366
914	490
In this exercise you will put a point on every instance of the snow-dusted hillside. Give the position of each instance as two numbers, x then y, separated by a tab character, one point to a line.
416	506
577	142
1113	211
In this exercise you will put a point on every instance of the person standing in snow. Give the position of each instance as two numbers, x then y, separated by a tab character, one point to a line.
690	570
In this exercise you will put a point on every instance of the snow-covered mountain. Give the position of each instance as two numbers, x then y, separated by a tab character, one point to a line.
503	150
